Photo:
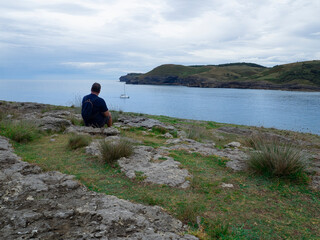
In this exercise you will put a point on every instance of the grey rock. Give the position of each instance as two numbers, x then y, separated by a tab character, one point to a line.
315	183
52	123
233	144
237	157
111	131
58	114
168	135
93	148
50	205
165	172
227	185
134	121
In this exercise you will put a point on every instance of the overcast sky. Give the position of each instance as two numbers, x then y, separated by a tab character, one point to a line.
109	38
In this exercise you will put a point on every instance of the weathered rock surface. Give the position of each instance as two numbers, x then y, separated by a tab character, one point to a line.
51	205
53	124
237	157
147	161
54	121
315	183
153	164
134	121
111	131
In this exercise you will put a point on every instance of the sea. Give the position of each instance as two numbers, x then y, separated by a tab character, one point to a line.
288	110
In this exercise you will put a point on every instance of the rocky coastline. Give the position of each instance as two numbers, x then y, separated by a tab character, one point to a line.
194	81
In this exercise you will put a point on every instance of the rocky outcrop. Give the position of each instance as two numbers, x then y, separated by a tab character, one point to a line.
237	157
135	121
155	168
51	205
111	131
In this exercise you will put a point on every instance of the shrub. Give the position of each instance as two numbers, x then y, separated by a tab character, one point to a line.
276	159
113	151
78	141
21	131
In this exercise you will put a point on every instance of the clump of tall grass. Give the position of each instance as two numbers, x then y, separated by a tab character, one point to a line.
78	141
197	133
112	151
19	131
275	158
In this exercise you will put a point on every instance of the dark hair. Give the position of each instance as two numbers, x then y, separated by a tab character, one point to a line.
96	87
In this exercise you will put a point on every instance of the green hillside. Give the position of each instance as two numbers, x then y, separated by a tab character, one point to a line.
301	72
293	76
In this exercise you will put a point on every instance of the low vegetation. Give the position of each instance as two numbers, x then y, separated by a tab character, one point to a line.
198	133
274	158
112	151
78	141
19	131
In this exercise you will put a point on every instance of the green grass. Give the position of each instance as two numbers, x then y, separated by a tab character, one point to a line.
19	131
274	158
256	208
78	141
111	151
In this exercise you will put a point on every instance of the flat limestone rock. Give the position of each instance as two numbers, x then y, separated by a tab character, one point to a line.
134	121
145	160
110	131
51	205
237	157
53	123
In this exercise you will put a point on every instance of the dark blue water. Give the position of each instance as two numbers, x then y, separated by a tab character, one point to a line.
298	111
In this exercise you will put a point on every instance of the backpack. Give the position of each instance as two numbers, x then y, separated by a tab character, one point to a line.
86	110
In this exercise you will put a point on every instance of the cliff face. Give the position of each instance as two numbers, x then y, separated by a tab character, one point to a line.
296	76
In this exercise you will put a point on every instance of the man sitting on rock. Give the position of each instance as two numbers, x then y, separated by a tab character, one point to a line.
94	110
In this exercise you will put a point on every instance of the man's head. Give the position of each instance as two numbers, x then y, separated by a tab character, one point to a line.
96	87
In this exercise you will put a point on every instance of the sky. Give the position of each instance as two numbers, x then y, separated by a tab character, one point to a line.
109	38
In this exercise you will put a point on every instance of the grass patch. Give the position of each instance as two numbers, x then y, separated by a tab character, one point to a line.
274	158
111	152
197	133
79	141
159	130
77	122
140	176
20	131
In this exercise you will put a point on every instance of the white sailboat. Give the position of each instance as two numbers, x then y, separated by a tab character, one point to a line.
124	95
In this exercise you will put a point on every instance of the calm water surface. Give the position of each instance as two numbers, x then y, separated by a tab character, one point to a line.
299	111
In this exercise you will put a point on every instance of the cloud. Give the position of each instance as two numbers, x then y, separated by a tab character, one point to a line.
96	37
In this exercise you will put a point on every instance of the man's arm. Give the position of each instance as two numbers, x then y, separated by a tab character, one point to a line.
107	114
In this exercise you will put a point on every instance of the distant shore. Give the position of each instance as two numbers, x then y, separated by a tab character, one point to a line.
302	76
